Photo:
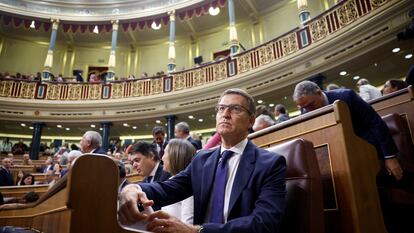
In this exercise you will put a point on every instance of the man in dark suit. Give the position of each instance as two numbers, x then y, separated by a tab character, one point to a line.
146	162
237	187
366	122
91	142
159	140
6	178
182	130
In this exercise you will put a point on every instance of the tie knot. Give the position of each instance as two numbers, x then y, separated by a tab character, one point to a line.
226	155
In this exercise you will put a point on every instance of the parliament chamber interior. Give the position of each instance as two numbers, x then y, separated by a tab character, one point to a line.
116	78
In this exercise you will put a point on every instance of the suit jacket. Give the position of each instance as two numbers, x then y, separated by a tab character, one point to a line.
160	175
366	122
164	144
99	151
6	178
195	143
257	199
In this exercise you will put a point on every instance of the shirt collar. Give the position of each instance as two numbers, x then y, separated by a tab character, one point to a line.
154	170
238	148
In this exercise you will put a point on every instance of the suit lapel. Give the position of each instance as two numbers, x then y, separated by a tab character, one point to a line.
243	173
158	173
208	172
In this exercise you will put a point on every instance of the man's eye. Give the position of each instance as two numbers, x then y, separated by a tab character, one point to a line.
236	108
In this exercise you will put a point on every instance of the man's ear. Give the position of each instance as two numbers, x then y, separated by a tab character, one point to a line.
252	119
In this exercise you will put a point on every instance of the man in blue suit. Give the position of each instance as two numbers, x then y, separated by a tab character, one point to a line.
366	122
237	187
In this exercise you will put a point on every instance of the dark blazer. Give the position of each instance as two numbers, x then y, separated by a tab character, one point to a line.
160	175
195	143
99	151
366	122
164	144
257	200
6	178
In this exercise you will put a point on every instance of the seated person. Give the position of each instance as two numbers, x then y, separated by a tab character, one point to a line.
393	85
28	179
178	154
251	201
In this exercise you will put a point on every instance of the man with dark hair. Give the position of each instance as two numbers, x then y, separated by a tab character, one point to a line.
146	161
159	140
182	130
237	187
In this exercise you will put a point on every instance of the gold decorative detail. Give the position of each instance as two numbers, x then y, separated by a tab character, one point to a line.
318	29
244	63
347	13
378	3
157	86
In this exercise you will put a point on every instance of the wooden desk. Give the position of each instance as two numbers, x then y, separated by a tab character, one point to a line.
347	163
401	102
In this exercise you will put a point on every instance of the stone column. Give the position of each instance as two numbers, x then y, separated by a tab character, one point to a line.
171	48
170	126
105	135
112	57
234	42
37	134
49	57
304	14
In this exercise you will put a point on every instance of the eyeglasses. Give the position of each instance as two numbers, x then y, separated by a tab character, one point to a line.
233	108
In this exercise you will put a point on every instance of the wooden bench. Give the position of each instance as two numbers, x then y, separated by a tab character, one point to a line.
134	178
85	200
401	102
348	166
20	191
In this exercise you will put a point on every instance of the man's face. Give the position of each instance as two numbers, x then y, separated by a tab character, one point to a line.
311	102
143	165
159	138
7	163
84	144
233	124
178	133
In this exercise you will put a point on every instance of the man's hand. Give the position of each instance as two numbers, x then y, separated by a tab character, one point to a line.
393	167
129	199
160	222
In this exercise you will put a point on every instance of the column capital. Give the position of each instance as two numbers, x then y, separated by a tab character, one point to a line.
55	23
172	15
115	24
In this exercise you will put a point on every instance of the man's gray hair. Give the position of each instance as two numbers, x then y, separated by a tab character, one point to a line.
236	91
183	126
94	137
281	108
73	154
305	88
263	118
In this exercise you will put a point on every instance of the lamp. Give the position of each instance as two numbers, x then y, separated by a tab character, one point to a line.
213	11
32	25
155	26
95	29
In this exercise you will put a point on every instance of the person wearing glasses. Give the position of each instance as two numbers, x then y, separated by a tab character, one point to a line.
237	187
366	122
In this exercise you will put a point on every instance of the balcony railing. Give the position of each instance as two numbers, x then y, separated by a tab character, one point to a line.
315	31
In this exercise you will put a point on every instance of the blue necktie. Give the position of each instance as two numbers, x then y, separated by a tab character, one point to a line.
219	188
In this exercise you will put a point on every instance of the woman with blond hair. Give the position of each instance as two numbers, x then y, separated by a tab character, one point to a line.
178	154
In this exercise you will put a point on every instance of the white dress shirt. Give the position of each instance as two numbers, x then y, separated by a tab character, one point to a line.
233	164
369	92
183	210
153	172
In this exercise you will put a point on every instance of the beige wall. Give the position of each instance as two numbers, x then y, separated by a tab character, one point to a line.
25	56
